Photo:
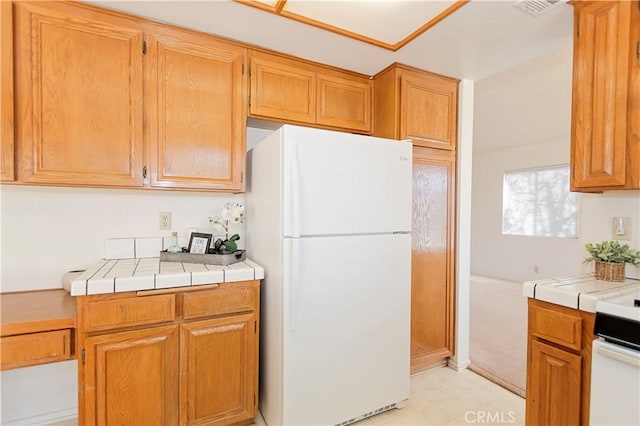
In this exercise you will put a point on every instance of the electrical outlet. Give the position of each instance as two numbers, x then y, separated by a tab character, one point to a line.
621	228
165	221
536	269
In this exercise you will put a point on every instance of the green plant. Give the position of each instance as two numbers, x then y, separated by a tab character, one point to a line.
612	251
229	214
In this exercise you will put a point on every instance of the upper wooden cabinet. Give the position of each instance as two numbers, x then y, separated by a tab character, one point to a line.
417	105
282	88
78	96
6	92
196	111
296	91
605	143
343	101
102	98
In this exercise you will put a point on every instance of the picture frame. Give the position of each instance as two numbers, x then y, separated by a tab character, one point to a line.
199	243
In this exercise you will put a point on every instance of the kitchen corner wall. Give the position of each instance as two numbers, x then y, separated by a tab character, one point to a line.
47	231
523	120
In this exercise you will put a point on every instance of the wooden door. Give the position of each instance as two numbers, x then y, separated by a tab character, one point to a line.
554	380
432	257
79	96
132	378
344	101
428	111
282	89
6	94
600	93
218	370
196	110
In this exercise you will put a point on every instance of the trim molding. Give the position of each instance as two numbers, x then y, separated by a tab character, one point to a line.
44	418
278	9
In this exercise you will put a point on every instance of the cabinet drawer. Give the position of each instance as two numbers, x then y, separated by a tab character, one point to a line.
218	302
36	348
121	313
555	327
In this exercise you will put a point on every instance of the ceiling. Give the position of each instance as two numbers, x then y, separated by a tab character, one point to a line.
477	40
361	19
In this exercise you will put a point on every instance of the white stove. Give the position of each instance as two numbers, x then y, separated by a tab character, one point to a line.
615	367
626	305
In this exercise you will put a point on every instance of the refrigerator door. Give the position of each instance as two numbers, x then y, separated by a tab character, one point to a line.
346	328
338	183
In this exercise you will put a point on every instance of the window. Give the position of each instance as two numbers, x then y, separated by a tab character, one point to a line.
537	202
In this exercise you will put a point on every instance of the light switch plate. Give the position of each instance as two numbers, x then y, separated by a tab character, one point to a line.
621	228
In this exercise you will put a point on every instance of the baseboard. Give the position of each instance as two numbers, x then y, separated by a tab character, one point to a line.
498	381
44	418
457	364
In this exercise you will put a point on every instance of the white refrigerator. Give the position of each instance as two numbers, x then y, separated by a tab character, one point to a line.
329	219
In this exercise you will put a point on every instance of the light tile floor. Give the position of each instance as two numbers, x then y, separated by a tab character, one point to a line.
445	397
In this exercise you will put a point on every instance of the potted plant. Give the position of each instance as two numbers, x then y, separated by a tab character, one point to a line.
229	214
610	258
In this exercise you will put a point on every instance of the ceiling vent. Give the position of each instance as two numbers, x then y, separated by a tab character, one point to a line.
536	7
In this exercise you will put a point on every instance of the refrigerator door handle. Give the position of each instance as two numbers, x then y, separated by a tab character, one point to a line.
294	283
295	192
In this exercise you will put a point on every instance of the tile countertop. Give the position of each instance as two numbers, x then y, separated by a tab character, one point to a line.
118	275
577	291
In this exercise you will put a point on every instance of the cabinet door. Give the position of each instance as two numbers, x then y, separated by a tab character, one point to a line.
432	257
601	93
196	112
344	101
218	370
553	386
132	378
282	89
428	111
6	92
79	96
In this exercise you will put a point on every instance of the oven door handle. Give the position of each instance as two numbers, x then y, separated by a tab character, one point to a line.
610	353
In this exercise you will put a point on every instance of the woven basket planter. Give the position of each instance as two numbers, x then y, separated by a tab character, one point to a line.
609	271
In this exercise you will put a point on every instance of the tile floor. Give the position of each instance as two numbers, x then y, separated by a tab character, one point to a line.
446	397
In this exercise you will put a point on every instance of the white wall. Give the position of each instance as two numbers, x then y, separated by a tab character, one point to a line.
523	119
47	231
463	224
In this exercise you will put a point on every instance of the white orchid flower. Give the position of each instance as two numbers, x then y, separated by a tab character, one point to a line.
228	213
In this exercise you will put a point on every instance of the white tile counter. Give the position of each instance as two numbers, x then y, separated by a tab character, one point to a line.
118	275
578	291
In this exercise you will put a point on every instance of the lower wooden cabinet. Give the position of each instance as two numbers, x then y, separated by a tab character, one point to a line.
36	327
199	366
552	395
132	377
28	349
218	358
558	365
432	257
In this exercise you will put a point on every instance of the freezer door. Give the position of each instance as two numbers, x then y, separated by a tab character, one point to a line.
346	327
338	183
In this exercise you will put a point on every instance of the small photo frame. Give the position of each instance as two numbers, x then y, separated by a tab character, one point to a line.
199	243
